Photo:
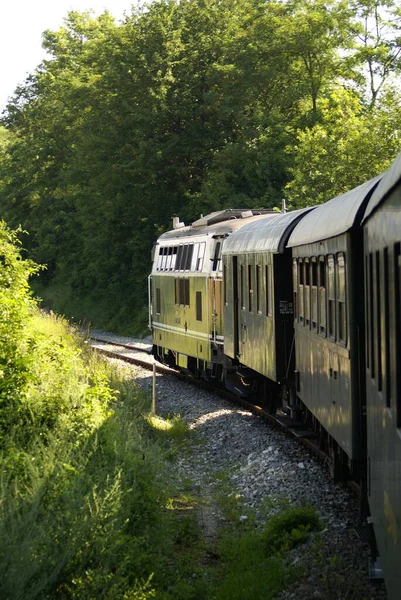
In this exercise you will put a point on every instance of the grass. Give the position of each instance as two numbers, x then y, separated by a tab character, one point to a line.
91	505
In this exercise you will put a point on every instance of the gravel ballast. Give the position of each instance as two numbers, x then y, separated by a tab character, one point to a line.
260	462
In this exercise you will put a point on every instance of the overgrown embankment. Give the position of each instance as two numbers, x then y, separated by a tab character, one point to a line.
88	505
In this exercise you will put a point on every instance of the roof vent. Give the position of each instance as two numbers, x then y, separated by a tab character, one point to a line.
177	224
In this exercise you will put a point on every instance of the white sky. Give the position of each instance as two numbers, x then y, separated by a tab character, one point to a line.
22	23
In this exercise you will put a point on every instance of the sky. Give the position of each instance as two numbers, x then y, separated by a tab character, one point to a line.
22	23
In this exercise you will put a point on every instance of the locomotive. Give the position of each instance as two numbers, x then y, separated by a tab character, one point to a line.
302	311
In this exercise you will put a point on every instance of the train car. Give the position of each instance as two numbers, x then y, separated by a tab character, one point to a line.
327	249
186	315
382	232
258	302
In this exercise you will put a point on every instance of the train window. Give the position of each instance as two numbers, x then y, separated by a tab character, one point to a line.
169	255
322	295
242	286
379	332
216	257
173	258
371	319
184	258
397	333
182	291
179	258
188	257
314	305
225	284
367	319
301	290
158	301
301	272
194	256
159	260
268	291
295	286
307	307
341	299
199	306
387	378
250	287
331	296
164	258
258	289
199	265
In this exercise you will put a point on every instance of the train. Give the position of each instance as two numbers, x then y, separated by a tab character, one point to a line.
301	311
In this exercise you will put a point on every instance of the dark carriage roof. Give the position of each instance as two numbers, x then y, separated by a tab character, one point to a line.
335	217
389	180
265	235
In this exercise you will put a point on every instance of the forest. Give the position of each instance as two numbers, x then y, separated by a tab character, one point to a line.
183	108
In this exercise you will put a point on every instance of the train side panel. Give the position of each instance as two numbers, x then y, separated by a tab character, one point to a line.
327	290
383	382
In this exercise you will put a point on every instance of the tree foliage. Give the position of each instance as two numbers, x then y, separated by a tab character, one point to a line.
183	108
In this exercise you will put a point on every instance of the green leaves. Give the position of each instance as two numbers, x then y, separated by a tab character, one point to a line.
183	108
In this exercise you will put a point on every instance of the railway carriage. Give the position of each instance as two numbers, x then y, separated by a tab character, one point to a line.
382	229
311	303
258	301
327	251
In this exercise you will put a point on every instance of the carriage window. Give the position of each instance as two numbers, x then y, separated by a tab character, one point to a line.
378	323
199	306
331	295
258	289
341	299
301	290
307	307
195	256
164	259
188	258
173	258
169	255
159	260
322	295
371	319
199	264
268	292
178	264
182	291
242	286
225	284
216	257
387	378
295	286
158	301
314	305
397	299
184	258
250	288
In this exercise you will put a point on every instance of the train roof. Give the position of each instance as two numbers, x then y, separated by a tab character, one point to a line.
389	180
220	223
264	235
335	217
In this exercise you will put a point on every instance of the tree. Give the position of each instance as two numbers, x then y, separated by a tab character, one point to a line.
348	147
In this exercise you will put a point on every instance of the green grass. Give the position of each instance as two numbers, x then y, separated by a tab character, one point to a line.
91	505
252	560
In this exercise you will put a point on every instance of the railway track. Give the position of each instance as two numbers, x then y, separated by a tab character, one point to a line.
140	354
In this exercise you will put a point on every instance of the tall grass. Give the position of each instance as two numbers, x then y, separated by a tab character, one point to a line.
81	484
